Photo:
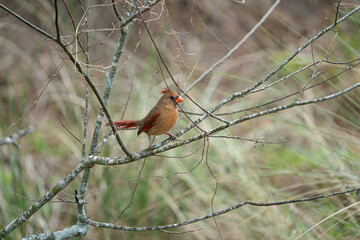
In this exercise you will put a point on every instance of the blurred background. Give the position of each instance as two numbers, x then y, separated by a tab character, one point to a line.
312	149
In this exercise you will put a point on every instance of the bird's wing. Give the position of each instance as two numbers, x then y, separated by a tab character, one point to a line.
148	122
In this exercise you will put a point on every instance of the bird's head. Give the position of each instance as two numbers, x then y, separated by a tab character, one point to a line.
170	97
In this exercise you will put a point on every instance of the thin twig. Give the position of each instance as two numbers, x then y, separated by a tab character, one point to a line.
290	95
213	34
256	141
62	124
328	217
74	26
184	156
52	201
102	142
133	193
337	12
53	76
235	48
128	97
216	186
182	232
315	75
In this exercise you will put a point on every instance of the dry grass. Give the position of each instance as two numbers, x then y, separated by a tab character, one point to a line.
321	156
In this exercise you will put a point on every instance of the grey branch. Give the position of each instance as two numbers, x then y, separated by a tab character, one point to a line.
162	147
248	202
14	137
76	230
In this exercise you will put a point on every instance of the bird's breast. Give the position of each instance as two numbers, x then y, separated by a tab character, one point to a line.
164	122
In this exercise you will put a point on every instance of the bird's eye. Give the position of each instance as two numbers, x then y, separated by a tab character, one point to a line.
172	97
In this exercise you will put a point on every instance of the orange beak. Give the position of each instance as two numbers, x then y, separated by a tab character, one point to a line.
179	99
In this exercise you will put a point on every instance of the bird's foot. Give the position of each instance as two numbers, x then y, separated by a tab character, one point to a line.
172	137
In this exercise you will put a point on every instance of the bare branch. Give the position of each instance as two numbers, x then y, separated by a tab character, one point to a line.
14	137
161	147
242	204
28	23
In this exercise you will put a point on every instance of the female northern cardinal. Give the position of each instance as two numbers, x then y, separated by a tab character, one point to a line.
159	120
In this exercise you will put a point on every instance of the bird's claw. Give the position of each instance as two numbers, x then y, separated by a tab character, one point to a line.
172	137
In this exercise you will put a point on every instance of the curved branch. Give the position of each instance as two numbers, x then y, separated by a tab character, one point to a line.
248	202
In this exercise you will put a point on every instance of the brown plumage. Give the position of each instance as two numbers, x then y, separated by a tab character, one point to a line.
159	120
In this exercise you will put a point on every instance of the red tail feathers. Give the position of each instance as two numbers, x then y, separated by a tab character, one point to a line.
124	124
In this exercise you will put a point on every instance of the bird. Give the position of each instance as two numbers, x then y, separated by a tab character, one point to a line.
161	118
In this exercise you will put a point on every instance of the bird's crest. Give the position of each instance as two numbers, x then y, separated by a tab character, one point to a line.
165	90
